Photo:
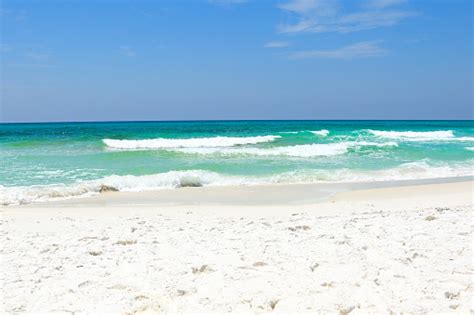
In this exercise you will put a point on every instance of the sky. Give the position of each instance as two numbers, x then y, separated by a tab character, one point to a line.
101	60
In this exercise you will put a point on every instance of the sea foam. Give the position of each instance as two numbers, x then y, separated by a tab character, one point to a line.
176	179
440	135
172	179
304	150
163	143
414	135
422	169
322	132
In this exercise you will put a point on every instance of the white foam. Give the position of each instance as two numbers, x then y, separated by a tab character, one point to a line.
172	179
464	139
163	143
304	151
443	134
415	170
423	170
469	148
375	144
322	132
415	135
175	179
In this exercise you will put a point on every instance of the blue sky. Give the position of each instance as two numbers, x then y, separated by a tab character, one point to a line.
88	60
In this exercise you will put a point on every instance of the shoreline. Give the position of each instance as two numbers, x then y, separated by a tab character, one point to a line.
273	200
242	195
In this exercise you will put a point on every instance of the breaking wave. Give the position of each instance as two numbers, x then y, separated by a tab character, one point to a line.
440	135
172	179
193	178
163	143
304	150
422	169
322	132
415	135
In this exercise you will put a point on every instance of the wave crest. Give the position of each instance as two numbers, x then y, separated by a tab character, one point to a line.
322	132
440	135
414	135
164	143
304	150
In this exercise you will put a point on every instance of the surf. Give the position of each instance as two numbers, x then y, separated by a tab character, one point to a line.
302	151
422	169
162	143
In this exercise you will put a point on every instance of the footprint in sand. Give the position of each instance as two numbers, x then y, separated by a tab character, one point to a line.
202	269
126	242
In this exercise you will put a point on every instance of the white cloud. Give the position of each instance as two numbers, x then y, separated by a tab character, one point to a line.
276	44
318	7
127	51
357	50
370	20
320	16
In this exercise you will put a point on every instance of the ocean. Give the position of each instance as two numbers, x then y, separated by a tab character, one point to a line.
48	161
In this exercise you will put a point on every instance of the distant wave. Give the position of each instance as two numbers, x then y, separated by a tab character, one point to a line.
441	135
414	135
176	179
322	132
304	150
163	143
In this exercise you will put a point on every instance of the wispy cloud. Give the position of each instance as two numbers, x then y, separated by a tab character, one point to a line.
316	7
357	50
227	2
31	65
17	15
379	4
127	51
320	16
5	48
38	57
276	44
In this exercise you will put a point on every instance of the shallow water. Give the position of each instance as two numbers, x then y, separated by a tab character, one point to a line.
62	160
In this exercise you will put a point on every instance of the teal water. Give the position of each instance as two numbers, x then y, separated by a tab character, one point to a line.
61	160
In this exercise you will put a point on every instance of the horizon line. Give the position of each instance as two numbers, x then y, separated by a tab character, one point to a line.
213	120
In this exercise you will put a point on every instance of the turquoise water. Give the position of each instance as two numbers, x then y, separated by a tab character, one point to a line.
61	160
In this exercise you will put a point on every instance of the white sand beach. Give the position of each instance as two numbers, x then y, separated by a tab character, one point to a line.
236	156
403	249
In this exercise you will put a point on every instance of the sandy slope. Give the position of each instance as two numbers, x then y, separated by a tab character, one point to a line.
401	249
